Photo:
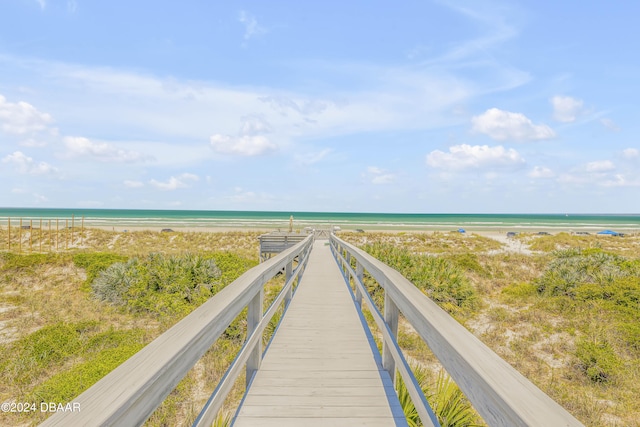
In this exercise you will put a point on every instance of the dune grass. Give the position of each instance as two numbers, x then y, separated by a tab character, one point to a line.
60	336
566	317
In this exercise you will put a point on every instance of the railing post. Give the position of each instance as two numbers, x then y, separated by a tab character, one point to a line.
254	315
359	278
288	271
346	265
391	313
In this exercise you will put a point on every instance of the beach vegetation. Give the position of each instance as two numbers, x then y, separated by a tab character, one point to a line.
166	284
36	366
451	407
439	278
628	245
426	243
93	263
572	268
12	261
57	338
159	284
566	317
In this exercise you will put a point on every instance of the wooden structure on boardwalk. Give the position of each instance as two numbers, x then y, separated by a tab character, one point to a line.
321	367
276	242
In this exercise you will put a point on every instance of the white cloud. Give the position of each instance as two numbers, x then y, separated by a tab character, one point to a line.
42	3
610	124
182	181
631	153
133	184
25	164
251	27
22	118
242	145
379	176
600	166
541	172
566	108
167	108
80	146
72	6
504	125
249	141
254	125
466	156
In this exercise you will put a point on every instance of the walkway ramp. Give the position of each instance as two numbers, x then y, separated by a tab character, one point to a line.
320	369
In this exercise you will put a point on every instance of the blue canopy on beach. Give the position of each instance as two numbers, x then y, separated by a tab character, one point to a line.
609	232
461	230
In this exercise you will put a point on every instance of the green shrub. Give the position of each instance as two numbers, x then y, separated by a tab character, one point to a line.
34	355
631	334
520	290
160	284
12	261
468	261
231	266
96	262
105	352
572	268
440	279
448	402
597	359
450	405
50	346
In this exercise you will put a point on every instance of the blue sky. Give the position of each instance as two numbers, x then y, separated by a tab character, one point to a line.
358	106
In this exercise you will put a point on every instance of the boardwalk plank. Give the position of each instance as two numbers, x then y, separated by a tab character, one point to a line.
320	369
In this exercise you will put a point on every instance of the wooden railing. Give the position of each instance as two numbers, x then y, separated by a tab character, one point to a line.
500	394
129	394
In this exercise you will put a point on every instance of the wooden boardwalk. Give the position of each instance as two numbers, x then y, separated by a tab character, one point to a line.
320	369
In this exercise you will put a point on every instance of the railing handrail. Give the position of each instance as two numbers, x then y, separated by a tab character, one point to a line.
131	392
501	395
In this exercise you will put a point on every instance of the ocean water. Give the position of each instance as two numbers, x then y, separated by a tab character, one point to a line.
123	218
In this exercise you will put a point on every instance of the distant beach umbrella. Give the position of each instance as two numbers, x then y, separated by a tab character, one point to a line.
609	232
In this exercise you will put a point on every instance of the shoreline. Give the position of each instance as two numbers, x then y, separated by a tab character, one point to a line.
391	229
495	225
491	232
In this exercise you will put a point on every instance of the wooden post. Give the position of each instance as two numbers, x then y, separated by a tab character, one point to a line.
72	224
391	313
30	235
346	267
359	278
288	271
82	232
50	237
254	315
20	237
66	234
9	239
40	234
57	234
